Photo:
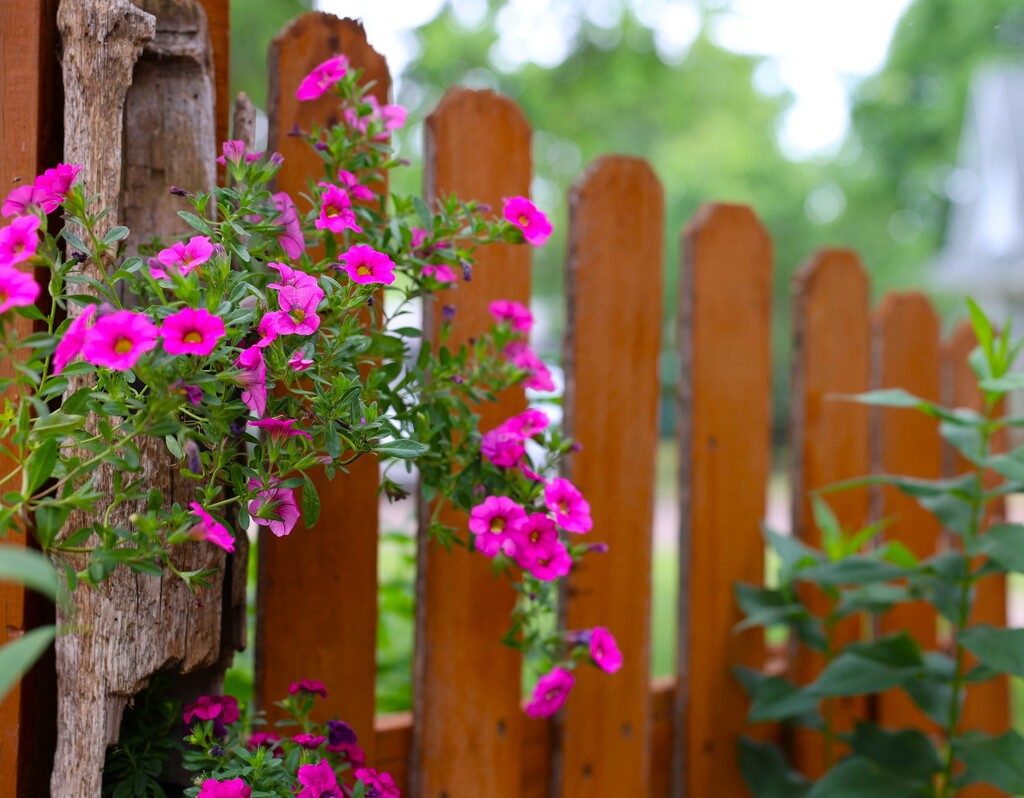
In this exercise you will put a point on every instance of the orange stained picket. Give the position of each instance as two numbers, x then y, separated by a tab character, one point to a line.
318	614
725	403
906	348
831	357
987	705
218	17
30	141
467	738
613	319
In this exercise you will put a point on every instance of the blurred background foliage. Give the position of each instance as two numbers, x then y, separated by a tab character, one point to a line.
711	129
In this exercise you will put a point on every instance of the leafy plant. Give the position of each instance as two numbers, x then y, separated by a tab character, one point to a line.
26	567
859	578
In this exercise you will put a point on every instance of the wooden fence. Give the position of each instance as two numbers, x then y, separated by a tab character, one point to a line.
621	734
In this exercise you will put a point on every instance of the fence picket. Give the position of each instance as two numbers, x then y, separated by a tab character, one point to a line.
218	18
725	399
987	705
337	559
906	352
830	441
468	729
613	296
30	141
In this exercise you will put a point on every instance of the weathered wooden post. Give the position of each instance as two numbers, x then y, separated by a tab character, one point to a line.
142	75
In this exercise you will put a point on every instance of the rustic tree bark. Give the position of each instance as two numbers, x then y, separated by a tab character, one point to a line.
144	79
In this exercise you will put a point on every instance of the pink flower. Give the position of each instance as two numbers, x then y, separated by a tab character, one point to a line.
264	739
70	343
604	650
17	289
533	537
191	332
550	693
492	521
19	240
291	240
365	265
298	310
183	256
516	314
522	357
253	379
443	273
524	214
235	152
378	785
353	187
553	564
220	709
55	183
118	340
319	781
502	447
353	754
209	529
193	393
419	235
391	116
233	788
298	361
278	428
310	741
322	77
311	686
294	278
23	199
571	510
336	212
528	423
274	507
268	328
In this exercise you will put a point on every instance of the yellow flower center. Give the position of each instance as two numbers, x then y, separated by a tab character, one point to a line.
298	314
193	337
524	220
497	524
364	270
123	345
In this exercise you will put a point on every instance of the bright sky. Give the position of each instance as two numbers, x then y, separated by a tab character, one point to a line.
818	48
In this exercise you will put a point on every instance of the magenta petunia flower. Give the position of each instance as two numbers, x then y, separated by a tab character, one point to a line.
323	76
274	508
291	240
604	650
318	781
298	310
419	235
533	536
23	200
550	693
118	340
253	379
443	273
391	116
553	564
336	212
298	361
378	784
268	328
264	739
524	214
523	357
295	278
353	754
281	428
193	393
210	529
365	265
19	240
354	187
516	314
229	788
340	733
17	289
502	446
528	423
310	741
55	183
491	523
70	343
222	710
571	510
311	686
183	256
236	152
191	332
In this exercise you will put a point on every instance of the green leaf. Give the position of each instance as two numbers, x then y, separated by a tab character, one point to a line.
887	397
828	524
774	698
858	777
854	570
49	520
1001	649
19	655
996	760
1005	384
877	597
863	668
1010	465
40	465
765	607
402	449
28	567
310	503
907	752
195	222
767	773
1003	543
55	424
982	327
115	234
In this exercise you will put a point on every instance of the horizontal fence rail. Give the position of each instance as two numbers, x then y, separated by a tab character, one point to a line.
626	733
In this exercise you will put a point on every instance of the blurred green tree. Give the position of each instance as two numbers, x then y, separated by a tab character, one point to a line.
254	23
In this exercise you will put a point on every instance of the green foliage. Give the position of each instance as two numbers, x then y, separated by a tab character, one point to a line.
27	567
865	580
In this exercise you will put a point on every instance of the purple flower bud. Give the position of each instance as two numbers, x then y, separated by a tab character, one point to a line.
448	312
276	159
576	447
370	301
179	192
457	380
598	548
484	208
467	271
320	146
237	427
192	459
340	733
295	131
